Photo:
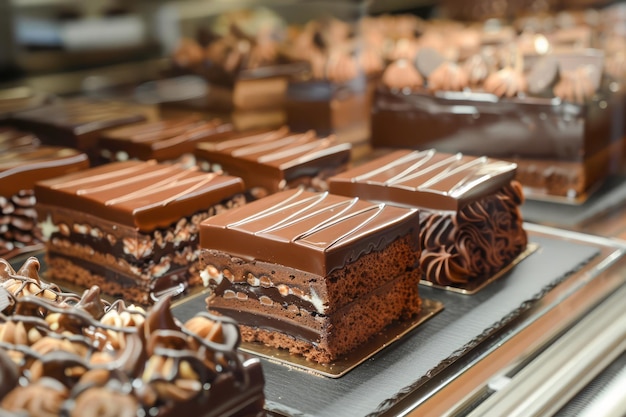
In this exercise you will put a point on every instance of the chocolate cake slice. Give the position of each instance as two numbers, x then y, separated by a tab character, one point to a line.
130	227
62	354
553	115
77	123
23	162
162	140
314	273
470	223
271	161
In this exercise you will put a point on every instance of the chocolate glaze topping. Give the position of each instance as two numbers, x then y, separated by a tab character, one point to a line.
271	159
145	195
75	123
426	179
21	167
163	139
314	232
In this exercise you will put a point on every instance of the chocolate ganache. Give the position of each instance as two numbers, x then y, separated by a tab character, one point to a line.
66	355
313	232
144	195
76	123
276	160
161	140
471	226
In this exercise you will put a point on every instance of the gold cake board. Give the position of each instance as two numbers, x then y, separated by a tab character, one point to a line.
391	334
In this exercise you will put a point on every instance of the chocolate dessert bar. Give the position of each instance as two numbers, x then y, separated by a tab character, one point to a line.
271	161
130	227
23	162
62	354
470	223
554	120
77	123
314	273
162	140
334	95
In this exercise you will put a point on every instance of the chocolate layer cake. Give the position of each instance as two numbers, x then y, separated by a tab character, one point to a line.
130	227
67	355
162	140
23	162
334	95
314	273
77	123
271	161
470	222
554	120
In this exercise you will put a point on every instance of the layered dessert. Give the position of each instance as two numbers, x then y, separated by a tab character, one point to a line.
470	223
271	161
77	123
23	162
334	94
162	140
551	114
239	55
314	273
62	354
130	227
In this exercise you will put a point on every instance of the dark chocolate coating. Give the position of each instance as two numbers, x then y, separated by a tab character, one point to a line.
426	179
313	232
75	123
145	195
273	159
22	167
164	139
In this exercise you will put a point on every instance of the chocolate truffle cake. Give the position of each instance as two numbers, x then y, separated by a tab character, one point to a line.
314	273
271	161
550	114
130	227
162	140
66	355
470	222
334	95
77	123
23	162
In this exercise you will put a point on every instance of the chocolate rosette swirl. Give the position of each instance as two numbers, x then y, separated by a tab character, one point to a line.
475	243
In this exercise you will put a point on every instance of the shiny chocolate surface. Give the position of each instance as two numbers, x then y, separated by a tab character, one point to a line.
313	232
425	179
145	195
272	159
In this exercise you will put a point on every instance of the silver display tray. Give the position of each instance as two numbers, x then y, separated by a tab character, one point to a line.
403	376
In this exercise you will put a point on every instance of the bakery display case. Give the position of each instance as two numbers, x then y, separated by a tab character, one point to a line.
249	87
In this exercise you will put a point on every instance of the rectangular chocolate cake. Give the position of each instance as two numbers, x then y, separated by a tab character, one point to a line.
271	161
470	223
552	114
314	273
130	227
162	140
77	123
23	162
62	354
